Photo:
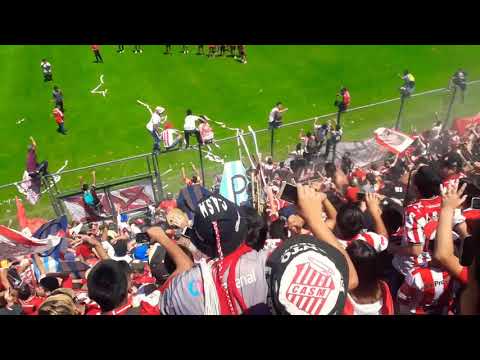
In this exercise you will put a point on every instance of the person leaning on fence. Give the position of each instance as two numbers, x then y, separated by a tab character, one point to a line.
343	99
320	132
89	195
190	128
408	84
35	170
275	117
460	79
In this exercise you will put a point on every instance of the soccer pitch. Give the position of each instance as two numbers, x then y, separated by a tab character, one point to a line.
304	78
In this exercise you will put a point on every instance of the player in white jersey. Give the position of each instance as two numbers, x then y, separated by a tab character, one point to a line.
46	70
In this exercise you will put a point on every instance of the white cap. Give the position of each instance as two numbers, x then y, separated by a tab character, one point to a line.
160	109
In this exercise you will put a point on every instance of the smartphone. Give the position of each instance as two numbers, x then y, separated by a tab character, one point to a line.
187	232
288	192
361	196
142	238
475	204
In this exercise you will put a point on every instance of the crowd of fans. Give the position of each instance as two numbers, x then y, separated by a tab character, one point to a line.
392	238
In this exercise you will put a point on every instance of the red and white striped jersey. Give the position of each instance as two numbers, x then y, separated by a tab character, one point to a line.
167	136
206	132
378	242
421	221
426	291
450	180
383	307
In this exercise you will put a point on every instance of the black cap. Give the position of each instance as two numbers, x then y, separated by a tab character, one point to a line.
308	277
231	226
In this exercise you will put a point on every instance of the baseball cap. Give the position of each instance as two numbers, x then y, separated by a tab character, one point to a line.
232	228
308	277
160	109
141	252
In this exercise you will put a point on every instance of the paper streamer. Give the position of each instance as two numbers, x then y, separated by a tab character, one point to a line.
102	92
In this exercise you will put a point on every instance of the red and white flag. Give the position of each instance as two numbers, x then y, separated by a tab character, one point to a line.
14	243
393	140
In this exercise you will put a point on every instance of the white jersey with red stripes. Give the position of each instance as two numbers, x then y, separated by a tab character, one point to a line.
206	132
378	242
450	180
421	221
168	136
384	306
425	291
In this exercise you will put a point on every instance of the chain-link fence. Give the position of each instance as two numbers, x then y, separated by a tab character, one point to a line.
418	113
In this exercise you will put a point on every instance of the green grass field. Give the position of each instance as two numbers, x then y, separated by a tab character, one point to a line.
305	78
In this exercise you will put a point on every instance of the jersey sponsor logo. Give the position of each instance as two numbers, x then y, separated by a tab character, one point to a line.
246	279
194	287
310	288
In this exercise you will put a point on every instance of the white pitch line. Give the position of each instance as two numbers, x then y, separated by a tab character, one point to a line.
102	92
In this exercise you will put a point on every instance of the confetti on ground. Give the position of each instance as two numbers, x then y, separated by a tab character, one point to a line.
102	92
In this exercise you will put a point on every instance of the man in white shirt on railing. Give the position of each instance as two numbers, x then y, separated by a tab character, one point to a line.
190	128
153	126
275	117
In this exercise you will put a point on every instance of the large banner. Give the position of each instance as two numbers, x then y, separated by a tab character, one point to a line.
461	124
234	182
128	198
363	153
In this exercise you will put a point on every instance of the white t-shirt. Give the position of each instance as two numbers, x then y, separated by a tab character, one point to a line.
154	120
190	122
46	67
274	114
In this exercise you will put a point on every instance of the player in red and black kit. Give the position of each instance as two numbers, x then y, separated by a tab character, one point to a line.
59	119
96	52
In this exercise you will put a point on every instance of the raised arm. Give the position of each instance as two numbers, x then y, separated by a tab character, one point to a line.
94	179
184	176
34	144
4	278
373	206
97	245
181	260
310	204
443	251
200	180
